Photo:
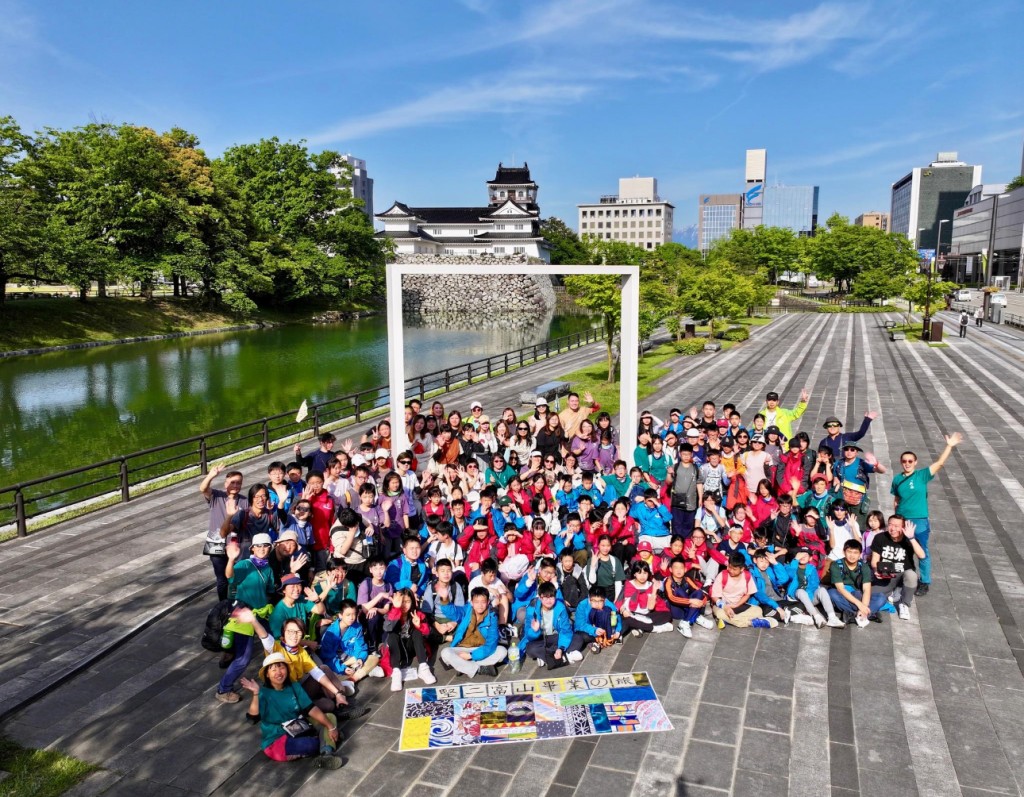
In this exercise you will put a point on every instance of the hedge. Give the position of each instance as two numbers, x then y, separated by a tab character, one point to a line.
834	308
733	333
690	346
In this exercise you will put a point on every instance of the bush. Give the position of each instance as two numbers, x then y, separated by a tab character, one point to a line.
835	308
733	333
690	346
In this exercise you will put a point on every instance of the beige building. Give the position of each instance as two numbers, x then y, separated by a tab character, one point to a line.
873	218
636	215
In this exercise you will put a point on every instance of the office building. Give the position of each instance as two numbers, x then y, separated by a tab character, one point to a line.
362	183
717	216
792	206
929	194
509	224
755	174
635	215
873	218
991	226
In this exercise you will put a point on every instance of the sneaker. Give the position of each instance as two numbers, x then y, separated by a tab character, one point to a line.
685	630
348	688
801	619
595	648
875	618
705	622
329	762
396	680
574	657
638	632
409	674
228	697
904	611
819	620
784	615
835	622
426	675
540	662
661	629
922	589
862	622
376	672
896	596
487	669
349	712
760	622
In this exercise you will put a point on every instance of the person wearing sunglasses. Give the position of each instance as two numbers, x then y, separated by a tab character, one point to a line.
910	492
835	438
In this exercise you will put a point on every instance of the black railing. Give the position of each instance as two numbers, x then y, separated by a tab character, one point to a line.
119	479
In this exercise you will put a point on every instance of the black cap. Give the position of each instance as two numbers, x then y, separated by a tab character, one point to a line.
772	395
773	430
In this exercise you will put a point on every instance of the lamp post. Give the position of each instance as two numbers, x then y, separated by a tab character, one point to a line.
927	322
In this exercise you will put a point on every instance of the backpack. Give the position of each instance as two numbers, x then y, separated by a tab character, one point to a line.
214	627
738	493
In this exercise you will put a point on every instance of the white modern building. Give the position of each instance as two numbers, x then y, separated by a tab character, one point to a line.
635	215
362	183
508	225
755	173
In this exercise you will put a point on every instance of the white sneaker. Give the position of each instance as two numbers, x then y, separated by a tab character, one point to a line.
862	622
410	674
705	622
377	672
784	615
685	630
575	657
426	675
396	680
904	611
801	619
819	620
661	629
835	622
897	595
348	688
638	632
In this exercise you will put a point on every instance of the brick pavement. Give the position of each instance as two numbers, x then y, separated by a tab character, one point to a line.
926	706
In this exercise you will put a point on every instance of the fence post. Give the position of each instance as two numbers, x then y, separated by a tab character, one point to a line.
204	463
447	381
316	420
469	373
125	492
423	392
506	362
520	358
19	511
358	402
266	437
488	367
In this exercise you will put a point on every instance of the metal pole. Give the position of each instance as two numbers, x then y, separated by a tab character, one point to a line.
19	512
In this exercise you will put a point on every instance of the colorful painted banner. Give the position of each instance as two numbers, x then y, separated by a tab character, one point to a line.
526	711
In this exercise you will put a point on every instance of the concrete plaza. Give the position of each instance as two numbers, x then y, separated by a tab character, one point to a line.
929	706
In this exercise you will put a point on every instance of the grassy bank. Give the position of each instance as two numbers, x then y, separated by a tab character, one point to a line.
38	773
31	323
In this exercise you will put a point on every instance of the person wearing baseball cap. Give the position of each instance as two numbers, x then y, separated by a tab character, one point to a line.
774	415
835	438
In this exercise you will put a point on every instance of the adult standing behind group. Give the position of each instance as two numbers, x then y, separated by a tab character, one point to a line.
910	491
780	417
223	505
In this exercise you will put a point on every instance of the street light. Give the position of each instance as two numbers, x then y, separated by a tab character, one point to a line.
927	322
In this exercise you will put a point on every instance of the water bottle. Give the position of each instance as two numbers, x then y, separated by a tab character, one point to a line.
720	604
513	654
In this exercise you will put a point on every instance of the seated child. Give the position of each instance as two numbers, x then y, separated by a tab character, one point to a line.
596	624
343	647
686	596
547	632
641	607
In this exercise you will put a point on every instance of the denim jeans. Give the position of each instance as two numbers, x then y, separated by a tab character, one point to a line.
244	646
924	530
843	605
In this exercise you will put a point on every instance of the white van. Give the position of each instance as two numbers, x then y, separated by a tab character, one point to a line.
962	295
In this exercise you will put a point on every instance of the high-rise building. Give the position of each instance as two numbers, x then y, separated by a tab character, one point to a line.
755	175
792	206
636	215
873	218
717	216
929	194
362	184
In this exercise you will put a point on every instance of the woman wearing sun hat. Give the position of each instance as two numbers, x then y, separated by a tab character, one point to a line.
281	708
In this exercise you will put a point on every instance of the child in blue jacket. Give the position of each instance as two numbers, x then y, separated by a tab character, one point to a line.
408	571
343	648
596	624
547	632
805	586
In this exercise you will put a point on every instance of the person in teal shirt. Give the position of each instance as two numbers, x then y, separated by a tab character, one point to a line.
276	703
910	491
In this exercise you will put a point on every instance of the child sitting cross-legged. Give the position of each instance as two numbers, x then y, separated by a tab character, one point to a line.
547	632
683	590
343	648
642	608
596	624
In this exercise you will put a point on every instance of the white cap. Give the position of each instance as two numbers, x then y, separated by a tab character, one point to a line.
541	402
536	453
692	433
381	452
358	459
262	539
476	404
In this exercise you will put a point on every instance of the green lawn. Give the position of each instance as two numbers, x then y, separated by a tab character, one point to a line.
38	773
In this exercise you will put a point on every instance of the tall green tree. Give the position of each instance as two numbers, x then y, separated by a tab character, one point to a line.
717	292
22	215
843	252
768	250
565	245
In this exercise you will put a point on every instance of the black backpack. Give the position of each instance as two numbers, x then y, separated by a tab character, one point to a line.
215	622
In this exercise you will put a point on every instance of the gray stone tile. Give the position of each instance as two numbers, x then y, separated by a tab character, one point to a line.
843	766
873	781
763	751
768	713
600	782
575	763
724	690
445	768
708	764
621	752
758	784
713	723
390	776
481	781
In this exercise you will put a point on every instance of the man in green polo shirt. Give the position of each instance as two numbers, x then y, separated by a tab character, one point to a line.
910	490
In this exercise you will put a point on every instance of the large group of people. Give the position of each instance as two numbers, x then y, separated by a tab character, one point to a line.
481	543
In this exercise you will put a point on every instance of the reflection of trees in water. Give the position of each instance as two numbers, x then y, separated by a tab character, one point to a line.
502	331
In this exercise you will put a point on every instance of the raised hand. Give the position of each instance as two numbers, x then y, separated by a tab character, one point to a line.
252	685
311	594
396	600
233	550
243	615
870	458
588	397
804	395
217	470
954	439
909	528
871	414
299	562
535	625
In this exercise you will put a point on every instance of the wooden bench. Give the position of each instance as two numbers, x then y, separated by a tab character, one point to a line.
549	390
889	325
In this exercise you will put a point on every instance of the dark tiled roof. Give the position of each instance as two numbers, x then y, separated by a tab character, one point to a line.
508	236
511	175
405	235
451	215
402	207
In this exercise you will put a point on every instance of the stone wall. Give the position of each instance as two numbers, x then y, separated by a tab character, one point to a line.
480	294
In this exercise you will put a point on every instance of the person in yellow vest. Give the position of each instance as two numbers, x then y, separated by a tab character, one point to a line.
774	415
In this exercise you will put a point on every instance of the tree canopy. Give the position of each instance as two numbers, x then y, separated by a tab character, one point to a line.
849	254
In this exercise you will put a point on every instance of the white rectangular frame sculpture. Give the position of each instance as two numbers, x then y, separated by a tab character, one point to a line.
629	335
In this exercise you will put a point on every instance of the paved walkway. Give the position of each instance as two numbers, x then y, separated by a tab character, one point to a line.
929	706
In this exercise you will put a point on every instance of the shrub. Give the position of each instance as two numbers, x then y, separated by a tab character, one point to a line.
835	308
733	333
690	346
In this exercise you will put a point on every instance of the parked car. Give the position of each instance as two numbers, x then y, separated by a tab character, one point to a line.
962	295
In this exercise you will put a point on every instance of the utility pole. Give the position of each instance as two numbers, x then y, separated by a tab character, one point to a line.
927	322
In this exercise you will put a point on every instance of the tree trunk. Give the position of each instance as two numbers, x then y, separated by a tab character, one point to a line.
101	287
83	292
174	282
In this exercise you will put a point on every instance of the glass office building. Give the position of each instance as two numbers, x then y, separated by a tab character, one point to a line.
792	206
719	215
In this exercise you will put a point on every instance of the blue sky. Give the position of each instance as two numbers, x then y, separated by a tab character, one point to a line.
433	93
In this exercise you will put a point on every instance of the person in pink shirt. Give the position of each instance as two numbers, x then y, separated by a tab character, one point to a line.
730	596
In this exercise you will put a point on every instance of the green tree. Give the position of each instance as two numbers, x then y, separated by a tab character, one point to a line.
721	291
565	245
22	215
1015	183
766	250
601	295
843	252
917	292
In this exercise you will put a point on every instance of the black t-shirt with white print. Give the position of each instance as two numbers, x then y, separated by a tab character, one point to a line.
900	554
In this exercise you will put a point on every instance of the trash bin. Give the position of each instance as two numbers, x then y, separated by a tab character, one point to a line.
935	333
689	330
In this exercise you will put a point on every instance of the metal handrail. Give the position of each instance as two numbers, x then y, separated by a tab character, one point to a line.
340	411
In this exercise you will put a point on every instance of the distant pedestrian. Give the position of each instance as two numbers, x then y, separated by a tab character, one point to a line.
979	317
963	323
